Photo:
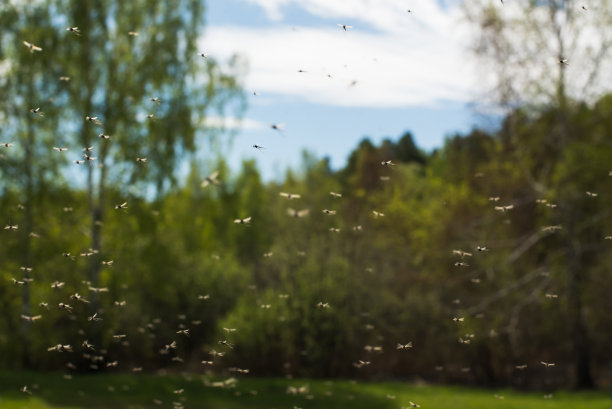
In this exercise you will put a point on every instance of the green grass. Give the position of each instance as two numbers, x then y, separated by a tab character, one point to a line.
127	391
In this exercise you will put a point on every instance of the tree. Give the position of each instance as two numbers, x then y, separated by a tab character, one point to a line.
522	42
122	79
28	167
129	55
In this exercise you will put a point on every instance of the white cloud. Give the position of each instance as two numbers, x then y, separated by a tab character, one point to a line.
385	15
230	122
396	58
271	7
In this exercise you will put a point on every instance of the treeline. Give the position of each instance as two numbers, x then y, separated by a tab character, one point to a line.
485	261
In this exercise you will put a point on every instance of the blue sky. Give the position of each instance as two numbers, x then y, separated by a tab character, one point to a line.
393	71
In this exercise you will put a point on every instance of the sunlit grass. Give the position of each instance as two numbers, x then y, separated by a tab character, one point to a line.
127	391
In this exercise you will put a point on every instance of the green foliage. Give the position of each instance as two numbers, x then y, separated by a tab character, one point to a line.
505	231
316	295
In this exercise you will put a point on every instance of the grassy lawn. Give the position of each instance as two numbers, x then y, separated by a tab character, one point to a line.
129	391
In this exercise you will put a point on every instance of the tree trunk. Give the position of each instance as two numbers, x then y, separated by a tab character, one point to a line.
27	228
580	352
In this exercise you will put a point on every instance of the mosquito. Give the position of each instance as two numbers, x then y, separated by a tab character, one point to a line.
93	119
298	213
246	220
278	127
404	346
32	47
211	179
290	195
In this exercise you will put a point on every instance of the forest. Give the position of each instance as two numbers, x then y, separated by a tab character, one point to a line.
508	232
129	244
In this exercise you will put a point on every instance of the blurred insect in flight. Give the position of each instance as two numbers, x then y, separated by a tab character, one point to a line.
32	47
290	195
211	179
93	119
37	111
298	213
